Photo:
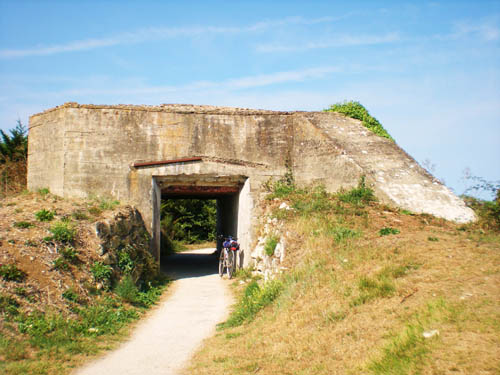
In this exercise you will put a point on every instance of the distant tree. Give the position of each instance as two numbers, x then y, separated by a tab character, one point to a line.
14	147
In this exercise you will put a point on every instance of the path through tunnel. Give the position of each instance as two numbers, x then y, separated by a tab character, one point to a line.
232	216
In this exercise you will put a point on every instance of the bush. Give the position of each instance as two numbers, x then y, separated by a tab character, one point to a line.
125	263
357	111
360	195
44	215
10	272
63	232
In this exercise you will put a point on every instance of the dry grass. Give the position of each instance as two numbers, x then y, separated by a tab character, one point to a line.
360	305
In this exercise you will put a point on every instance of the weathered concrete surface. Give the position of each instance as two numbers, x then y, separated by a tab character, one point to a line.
77	149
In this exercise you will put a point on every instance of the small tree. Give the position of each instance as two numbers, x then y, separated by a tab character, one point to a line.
14	147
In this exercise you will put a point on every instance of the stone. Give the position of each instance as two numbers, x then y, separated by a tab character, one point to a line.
429	334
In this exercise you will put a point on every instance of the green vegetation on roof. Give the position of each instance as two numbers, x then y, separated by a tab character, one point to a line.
357	111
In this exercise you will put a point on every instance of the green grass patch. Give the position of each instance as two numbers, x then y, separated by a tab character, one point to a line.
270	245
387	231
254	299
405	351
63	232
44	215
359	196
10	272
23	224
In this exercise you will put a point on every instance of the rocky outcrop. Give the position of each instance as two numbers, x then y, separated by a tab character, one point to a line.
124	244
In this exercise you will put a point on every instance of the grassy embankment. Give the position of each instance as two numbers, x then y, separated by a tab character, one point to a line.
60	303
364	283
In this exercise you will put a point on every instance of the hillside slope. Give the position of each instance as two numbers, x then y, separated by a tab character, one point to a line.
73	274
366	289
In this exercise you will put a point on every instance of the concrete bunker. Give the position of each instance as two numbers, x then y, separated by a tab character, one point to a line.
233	203
136	154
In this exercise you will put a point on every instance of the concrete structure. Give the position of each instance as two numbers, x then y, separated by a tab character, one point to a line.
139	154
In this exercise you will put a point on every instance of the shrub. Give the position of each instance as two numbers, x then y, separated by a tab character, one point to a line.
270	245
388	230
357	111
359	195
23	224
63	232
10	272
44	215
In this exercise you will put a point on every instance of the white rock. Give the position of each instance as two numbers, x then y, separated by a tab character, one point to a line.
429	334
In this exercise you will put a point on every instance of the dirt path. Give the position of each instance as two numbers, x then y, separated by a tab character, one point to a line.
164	341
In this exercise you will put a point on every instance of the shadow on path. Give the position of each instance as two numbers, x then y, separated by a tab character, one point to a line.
190	264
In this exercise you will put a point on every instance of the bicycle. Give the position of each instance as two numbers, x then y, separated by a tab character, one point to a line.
227	258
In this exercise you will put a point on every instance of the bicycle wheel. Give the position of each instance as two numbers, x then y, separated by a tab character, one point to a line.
230	264
221	263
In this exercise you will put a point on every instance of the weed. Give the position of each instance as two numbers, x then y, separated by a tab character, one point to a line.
44	215
108	204
432	239
23	224
94	210
359	195
43	192
101	272
335	316
63	232
406	212
60	264
21	291
127	289
70	295
340	233
79	215
69	253
270	245
388	230
10	272
30	243
125	262
8	305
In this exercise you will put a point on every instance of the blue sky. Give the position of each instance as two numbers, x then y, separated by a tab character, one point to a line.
429	71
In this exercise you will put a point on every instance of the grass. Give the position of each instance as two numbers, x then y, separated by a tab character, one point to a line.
52	343
23	224
270	245
44	215
10	272
353	301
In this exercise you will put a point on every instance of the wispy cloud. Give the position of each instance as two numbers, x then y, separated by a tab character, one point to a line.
486	30
338	41
156	33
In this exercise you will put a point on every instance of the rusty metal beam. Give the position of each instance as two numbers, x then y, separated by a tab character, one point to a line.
163	162
199	190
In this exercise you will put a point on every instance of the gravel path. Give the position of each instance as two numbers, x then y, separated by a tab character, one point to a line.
167	338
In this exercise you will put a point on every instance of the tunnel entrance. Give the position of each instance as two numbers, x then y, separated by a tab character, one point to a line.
232	194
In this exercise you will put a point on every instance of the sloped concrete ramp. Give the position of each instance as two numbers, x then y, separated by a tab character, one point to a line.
165	341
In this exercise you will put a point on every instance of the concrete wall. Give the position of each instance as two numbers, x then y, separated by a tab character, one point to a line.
77	150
